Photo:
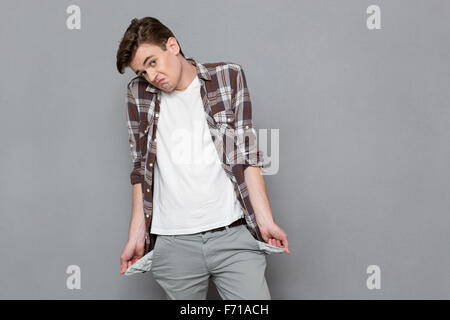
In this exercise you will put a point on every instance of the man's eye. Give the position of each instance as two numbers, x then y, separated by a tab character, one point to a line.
143	72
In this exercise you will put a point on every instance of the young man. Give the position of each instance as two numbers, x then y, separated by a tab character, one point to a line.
200	207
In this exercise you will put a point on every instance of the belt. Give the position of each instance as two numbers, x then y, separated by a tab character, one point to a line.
234	224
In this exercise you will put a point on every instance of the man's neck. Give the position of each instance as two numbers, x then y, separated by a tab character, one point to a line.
188	73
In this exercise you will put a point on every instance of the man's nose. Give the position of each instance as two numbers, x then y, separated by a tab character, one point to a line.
152	75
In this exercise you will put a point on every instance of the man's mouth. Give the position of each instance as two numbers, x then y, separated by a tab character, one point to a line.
161	80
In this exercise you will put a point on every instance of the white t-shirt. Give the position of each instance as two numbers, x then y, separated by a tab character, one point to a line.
192	192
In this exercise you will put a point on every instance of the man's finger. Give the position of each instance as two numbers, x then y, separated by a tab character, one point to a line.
122	265
286	245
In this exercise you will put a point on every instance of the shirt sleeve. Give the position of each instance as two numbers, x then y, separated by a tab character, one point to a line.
246	136
132	117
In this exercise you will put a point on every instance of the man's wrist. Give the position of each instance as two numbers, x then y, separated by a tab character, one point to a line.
136	237
264	222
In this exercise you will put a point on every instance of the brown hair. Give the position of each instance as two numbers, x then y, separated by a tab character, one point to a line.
145	30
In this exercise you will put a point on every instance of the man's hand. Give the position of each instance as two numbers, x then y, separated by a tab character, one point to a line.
133	251
275	236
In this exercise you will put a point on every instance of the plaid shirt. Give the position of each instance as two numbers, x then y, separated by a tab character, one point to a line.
228	111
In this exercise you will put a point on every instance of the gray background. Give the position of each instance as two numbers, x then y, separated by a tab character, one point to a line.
364	142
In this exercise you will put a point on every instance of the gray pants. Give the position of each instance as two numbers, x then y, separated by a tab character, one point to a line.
182	265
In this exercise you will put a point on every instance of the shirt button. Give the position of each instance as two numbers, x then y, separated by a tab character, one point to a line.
157	115
147	215
131	144
246	127
148	190
229	119
151	164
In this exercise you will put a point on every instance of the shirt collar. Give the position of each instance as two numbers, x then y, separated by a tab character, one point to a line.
202	72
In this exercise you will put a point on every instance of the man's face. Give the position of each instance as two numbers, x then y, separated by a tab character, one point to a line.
155	64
